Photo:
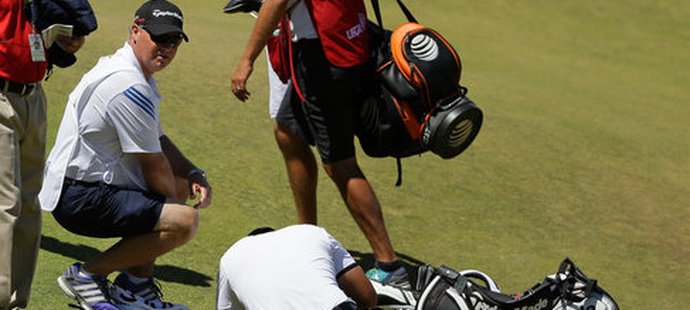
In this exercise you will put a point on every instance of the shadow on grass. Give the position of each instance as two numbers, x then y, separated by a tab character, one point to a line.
162	272
366	260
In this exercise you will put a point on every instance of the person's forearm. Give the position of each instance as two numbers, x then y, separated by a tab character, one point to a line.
269	16
158	174
181	166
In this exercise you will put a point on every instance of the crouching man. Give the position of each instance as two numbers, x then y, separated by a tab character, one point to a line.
113	173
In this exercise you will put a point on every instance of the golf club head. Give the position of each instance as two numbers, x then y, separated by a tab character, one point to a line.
244	6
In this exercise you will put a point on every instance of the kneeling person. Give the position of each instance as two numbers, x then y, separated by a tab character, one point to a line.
297	267
113	172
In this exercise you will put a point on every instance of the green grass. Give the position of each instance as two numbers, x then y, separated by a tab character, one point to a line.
584	151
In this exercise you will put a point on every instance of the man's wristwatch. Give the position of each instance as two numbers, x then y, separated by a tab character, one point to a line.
196	171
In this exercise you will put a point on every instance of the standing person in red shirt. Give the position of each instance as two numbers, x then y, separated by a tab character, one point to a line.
22	147
330	66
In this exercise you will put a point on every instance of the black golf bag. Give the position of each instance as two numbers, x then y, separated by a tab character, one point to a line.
417	103
446	289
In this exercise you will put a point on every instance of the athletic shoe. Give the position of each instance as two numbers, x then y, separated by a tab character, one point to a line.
397	277
126	300
92	293
147	295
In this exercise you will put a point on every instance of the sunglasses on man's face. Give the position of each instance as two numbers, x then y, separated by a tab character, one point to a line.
171	40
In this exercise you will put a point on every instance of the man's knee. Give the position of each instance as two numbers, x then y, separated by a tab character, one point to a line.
293	146
181	221
284	137
343	170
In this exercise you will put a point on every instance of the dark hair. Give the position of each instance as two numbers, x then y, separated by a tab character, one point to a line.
260	230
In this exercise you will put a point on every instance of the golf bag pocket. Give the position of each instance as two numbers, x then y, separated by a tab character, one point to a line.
400	127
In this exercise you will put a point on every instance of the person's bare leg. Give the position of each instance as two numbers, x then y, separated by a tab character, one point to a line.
177	225
302	173
143	270
363	205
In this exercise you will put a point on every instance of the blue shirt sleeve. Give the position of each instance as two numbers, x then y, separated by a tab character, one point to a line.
134	113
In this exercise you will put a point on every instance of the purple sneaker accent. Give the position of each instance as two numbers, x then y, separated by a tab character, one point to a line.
92	293
148	295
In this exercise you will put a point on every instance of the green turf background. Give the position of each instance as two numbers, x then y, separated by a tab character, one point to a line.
584	153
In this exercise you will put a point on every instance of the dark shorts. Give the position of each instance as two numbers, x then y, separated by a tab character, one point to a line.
106	211
333	96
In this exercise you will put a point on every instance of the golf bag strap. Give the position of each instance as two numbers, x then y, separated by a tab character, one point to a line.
407	12
476	274
377	12
403	8
459	281
567	284
293	75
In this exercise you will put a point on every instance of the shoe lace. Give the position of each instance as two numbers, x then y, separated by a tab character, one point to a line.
104	287
157	289
156	293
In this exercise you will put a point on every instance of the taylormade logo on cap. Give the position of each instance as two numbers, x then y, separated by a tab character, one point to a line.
160	17
159	13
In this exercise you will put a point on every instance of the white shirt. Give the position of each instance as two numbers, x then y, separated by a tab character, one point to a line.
291	268
111	115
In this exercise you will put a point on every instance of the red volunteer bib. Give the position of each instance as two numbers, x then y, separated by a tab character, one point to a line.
341	25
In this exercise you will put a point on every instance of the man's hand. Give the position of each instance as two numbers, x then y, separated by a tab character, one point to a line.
239	80
199	187
270	14
70	44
